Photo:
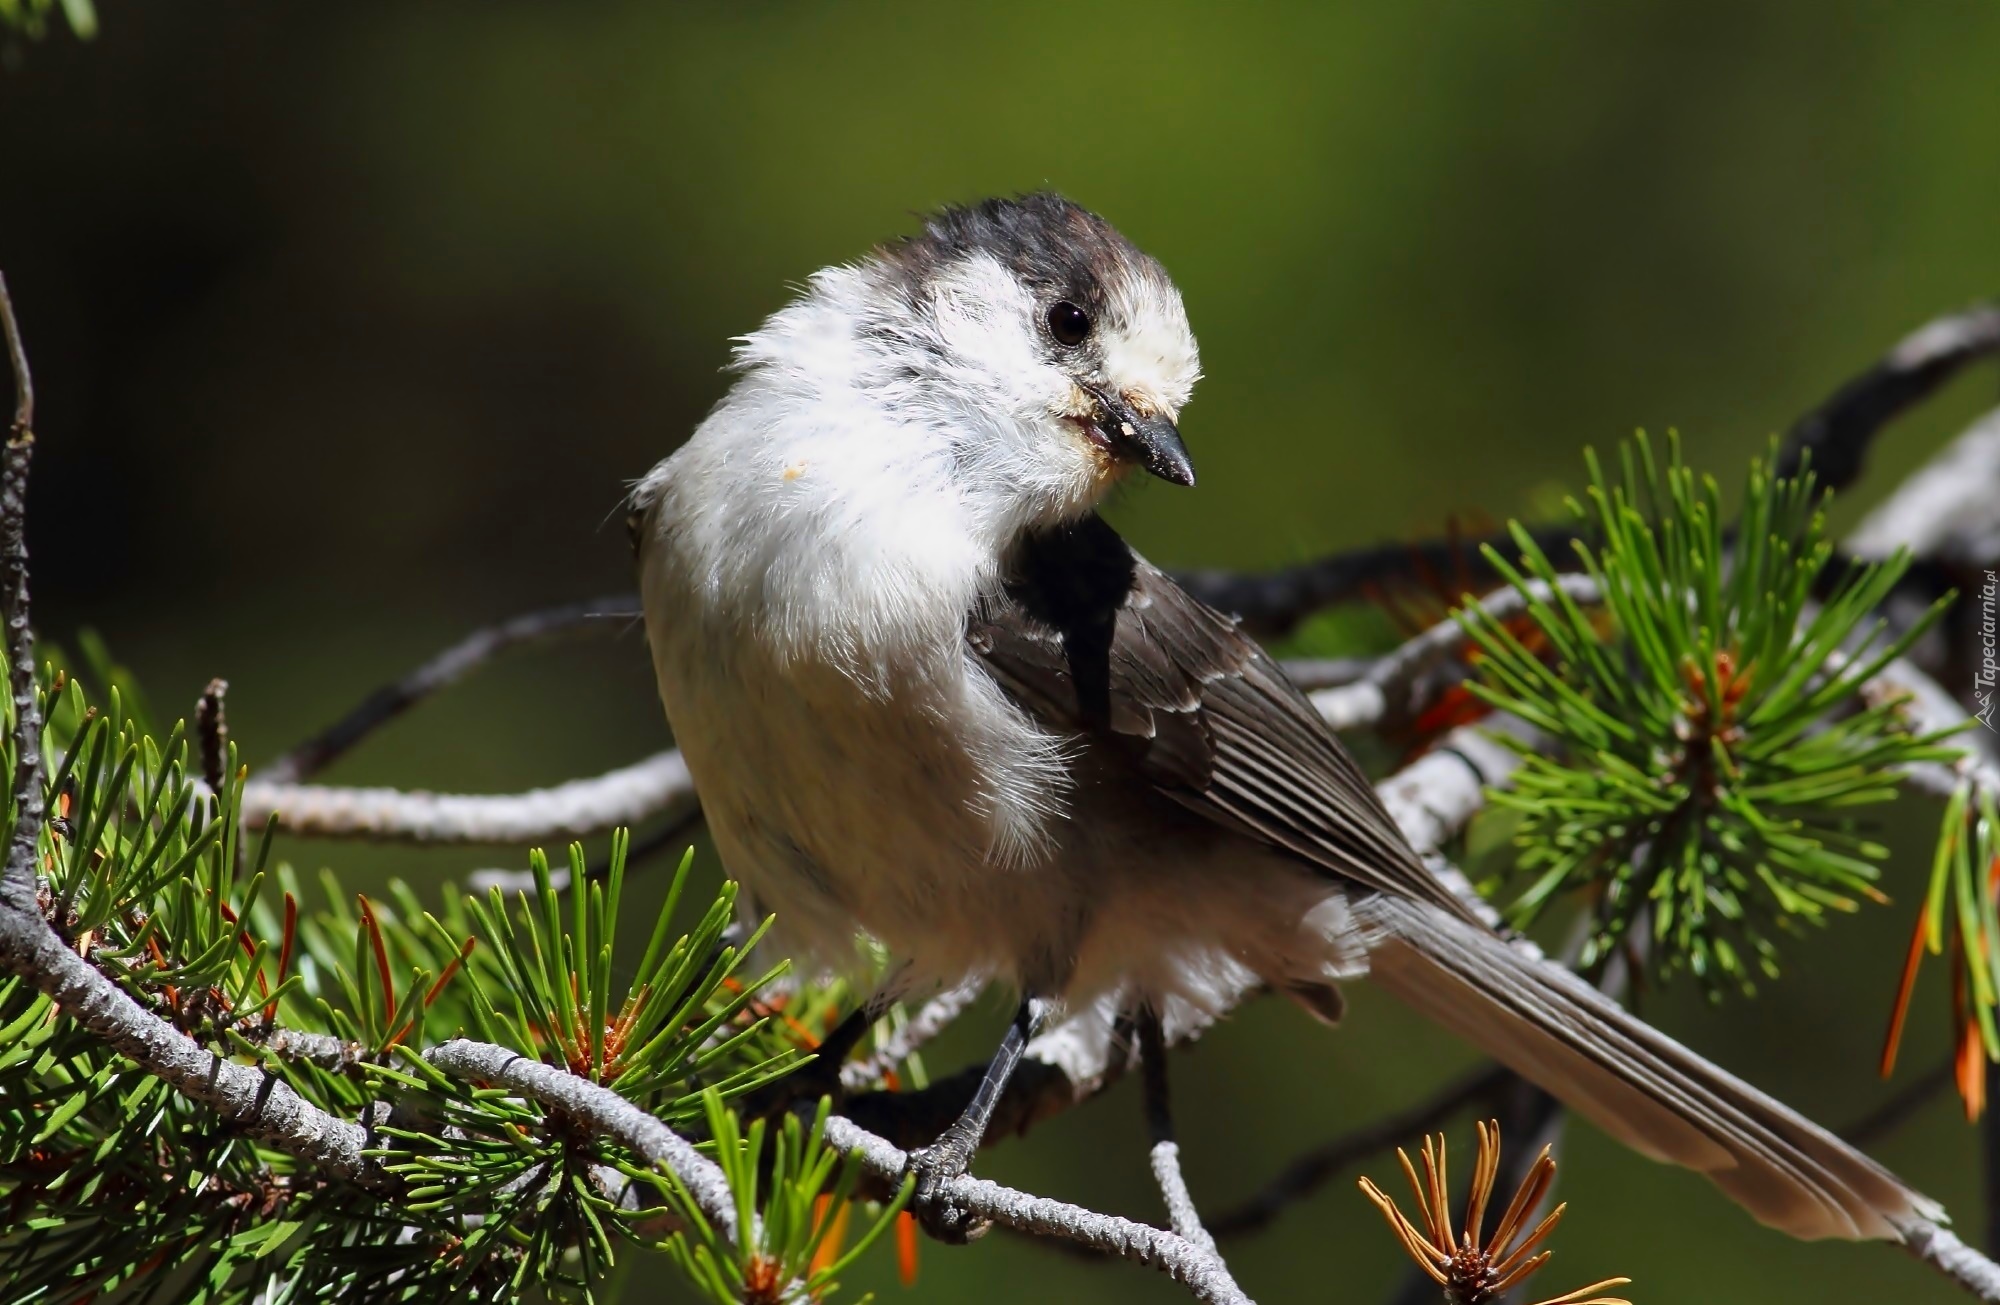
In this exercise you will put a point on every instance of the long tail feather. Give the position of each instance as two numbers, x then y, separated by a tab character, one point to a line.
1633	1081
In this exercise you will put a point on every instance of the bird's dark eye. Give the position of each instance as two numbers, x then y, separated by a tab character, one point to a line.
1068	323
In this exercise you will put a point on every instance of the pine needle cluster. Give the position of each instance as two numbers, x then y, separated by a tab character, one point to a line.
1709	746
113	1182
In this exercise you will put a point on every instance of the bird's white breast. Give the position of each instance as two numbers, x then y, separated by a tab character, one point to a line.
807	628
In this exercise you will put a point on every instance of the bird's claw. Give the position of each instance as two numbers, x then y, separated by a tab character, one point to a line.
935	1168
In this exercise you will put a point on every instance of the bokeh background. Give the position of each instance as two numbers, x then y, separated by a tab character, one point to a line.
351	322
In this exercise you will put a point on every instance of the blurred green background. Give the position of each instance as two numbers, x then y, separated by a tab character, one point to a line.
351	321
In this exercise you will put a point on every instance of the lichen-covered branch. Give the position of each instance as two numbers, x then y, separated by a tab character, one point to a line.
658	786
261	1105
17	877
1940	1248
1203	1273
1946	510
604	1111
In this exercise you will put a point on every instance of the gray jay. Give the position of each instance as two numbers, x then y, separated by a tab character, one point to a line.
929	697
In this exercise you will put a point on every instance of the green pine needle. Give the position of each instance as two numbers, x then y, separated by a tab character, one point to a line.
1697	791
118	1186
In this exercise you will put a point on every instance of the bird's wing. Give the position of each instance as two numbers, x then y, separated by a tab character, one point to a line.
1090	637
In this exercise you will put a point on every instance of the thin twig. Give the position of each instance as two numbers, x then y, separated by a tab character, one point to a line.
1272	603
930	1020
1312	1170
1837	434
1397	687
211	726
1202	1273
1311	673
322	1049
17	364
441	672
15	462
1907	1102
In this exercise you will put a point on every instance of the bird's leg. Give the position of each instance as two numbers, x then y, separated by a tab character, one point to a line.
820	1077
1153	1071
839	1043
948	1158
1166	1154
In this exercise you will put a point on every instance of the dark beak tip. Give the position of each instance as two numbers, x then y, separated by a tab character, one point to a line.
1165	456
1152	441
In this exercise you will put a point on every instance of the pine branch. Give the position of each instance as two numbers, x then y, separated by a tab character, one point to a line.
264	1106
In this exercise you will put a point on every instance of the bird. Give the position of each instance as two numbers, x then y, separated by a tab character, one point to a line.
936	708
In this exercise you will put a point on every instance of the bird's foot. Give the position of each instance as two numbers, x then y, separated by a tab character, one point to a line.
936	1167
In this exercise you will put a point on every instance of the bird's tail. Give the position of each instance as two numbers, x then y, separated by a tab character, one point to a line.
1634	1082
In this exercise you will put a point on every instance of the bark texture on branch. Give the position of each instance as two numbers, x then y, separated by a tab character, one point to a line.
658	786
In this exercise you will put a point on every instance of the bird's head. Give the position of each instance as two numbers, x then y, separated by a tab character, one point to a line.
1042	354
1037	311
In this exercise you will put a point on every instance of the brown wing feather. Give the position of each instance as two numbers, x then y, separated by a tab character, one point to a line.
1090	637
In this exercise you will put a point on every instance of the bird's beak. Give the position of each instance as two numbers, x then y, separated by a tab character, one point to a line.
1152	442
